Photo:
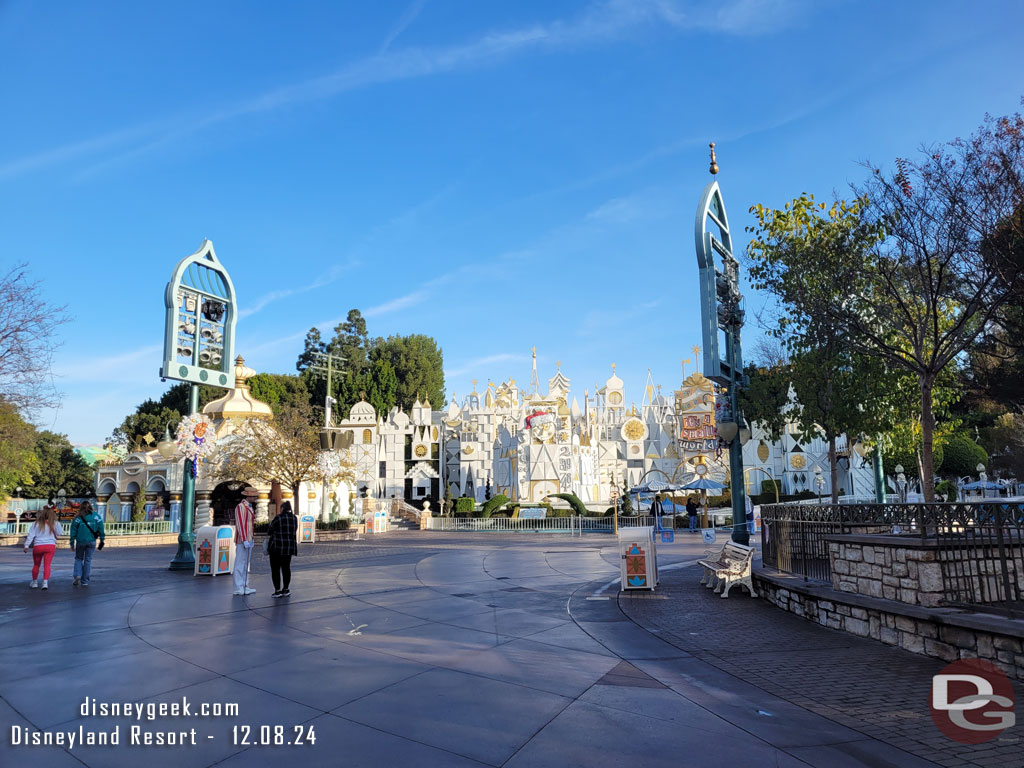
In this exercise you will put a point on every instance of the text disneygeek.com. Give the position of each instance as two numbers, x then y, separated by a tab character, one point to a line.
80	735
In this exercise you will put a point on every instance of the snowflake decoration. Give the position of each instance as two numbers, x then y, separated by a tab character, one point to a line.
196	440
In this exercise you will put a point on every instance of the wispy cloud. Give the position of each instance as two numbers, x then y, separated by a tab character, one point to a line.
116	369
600	22
325	279
408	17
394	305
482	362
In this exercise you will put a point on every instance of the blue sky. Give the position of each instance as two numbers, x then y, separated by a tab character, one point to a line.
495	175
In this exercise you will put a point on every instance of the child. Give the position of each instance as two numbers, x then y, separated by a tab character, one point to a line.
42	538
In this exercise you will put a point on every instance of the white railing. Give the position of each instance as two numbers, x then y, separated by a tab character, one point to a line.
110	529
572	525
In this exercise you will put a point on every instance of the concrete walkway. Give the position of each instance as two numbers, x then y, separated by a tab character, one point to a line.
411	649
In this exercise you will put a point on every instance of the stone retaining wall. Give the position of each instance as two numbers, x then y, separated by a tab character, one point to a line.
943	633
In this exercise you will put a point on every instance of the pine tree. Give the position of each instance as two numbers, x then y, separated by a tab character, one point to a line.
627	502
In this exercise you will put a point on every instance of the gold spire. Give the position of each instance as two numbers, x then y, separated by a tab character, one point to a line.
714	165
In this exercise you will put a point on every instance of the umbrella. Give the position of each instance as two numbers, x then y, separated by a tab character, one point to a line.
703	484
656	486
988	486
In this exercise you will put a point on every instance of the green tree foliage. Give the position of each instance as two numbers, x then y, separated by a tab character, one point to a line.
962	456
418	366
58	466
139	507
464	505
625	501
313	345
153	416
18	461
382	386
277	390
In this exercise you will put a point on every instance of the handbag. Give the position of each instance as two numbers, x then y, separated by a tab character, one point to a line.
95	535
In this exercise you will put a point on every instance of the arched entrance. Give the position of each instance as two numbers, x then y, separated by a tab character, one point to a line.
224	499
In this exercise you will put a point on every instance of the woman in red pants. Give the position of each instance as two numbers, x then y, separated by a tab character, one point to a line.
42	538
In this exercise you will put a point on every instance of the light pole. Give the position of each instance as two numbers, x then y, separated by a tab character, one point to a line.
819	480
982	478
901	483
721	311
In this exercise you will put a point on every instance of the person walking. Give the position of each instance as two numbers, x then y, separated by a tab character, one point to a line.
281	547
691	511
86	531
42	540
245	522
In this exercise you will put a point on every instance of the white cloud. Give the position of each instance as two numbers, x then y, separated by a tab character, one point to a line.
325	279
408	17
601	22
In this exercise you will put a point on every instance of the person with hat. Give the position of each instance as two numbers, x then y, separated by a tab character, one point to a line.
245	524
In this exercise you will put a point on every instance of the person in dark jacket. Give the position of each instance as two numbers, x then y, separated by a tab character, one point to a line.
86	532
691	510
281	546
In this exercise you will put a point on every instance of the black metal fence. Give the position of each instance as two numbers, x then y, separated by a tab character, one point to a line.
980	547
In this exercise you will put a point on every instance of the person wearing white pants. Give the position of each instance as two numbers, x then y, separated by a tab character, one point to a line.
245	522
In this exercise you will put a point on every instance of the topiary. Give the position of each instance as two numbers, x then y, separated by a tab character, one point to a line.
962	456
464	505
491	505
578	507
948	489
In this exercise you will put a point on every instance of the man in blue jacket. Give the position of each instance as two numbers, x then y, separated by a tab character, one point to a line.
86	530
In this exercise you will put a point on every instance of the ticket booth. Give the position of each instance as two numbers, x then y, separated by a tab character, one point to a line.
215	550
638	558
307	529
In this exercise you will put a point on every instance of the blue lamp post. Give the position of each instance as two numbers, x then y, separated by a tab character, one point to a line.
722	318
199	337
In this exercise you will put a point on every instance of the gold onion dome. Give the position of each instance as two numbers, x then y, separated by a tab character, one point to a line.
239	403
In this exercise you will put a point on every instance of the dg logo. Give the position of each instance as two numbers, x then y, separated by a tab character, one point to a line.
972	701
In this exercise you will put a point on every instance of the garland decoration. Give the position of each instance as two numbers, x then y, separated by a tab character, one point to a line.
329	464
195	440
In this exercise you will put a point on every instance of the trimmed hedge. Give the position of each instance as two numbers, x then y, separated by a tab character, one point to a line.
465	505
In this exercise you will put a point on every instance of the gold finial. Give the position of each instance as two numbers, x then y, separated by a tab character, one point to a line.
714	165
474	385
534	351
613	367
559	364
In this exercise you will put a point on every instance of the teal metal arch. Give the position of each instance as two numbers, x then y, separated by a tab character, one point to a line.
199	342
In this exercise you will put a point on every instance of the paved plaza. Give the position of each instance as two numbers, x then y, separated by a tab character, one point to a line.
426	649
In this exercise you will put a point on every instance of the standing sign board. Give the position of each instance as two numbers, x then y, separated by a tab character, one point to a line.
199	332
307	529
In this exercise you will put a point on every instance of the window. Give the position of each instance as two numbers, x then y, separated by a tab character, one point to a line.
367	437
383	469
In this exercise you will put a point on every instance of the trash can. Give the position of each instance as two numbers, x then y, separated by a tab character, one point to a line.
380	521
638	558
215	550
307	529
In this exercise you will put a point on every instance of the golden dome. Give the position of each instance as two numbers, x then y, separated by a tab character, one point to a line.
239	403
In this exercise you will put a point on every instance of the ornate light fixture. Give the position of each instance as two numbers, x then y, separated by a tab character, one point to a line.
167	447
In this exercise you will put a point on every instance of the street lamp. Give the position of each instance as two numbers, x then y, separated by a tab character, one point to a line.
819	480
722	315
982	478
61	498
167	447
901	482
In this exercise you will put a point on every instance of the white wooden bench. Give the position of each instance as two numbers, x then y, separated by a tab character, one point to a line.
729	566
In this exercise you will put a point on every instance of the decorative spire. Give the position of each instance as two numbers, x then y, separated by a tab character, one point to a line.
714	165
534	380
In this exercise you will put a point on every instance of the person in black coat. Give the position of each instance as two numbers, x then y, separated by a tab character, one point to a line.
281	546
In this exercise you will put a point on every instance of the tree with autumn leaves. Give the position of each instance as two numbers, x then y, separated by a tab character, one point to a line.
924	264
